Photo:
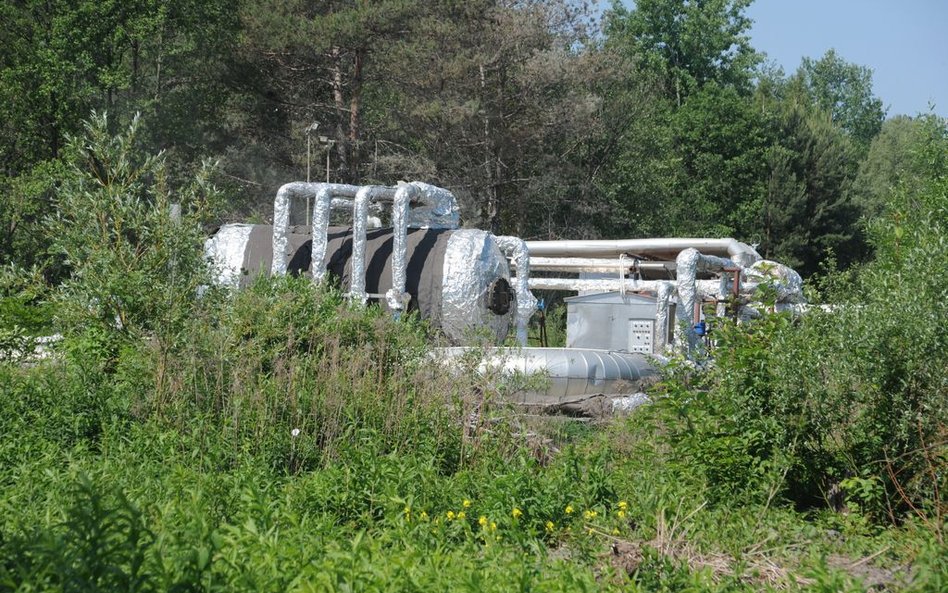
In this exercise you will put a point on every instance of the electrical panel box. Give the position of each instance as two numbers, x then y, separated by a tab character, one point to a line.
613	321
641	335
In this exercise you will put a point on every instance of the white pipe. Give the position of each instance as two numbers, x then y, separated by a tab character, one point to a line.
281	216
740	253
588	264
705	287
516	250
360	213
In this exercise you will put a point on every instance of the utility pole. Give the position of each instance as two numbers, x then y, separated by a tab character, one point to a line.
328	143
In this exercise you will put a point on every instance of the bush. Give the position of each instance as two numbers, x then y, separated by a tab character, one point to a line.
849	405
133	267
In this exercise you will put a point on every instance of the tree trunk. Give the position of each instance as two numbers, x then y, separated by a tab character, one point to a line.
489	158
342	137
355	104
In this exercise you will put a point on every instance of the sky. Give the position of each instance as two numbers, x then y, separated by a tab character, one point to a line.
905	42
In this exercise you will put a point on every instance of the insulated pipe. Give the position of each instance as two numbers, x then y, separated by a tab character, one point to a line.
396	298
689	262
322	208
705	287
516	250
588	264
663	298
438	208
281	215
360	214
738	252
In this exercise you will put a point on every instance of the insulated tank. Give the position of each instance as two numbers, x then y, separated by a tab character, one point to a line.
458	279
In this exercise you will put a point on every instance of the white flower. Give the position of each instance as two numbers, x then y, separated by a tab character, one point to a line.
295	432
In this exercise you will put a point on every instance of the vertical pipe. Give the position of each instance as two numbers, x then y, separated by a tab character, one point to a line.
663	297
516	249
360	214
396	298
281	217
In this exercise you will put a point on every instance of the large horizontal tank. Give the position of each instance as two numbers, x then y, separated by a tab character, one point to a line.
458	279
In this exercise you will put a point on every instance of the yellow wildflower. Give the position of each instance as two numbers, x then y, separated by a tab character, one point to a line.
517	513
423	516
621	514
482	521
450	515
407	512
466	504
615	532
623	505
493	526
549	526
569	509
461	515
590	515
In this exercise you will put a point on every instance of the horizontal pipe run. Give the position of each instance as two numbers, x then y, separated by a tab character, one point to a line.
738	252
603	265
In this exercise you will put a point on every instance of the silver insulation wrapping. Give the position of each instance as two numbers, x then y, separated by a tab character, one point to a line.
688	263
360	214
438	209
663	299
516	249
225	249
786	281
396	298
281	214
472	262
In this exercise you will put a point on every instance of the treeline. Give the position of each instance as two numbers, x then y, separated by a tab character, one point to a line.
659	120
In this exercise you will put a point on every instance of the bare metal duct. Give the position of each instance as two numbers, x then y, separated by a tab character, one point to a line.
738	252
572	374
281	214
516	250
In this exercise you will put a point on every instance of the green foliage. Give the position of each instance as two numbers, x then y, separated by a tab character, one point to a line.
846	404
844	90
133	266
689	43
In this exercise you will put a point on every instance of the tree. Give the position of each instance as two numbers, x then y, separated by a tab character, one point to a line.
889	162
807	211
845	91
60	60
689	42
